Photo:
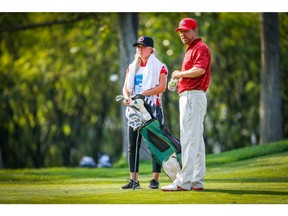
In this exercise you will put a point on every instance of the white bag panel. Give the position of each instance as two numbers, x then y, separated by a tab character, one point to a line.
171	167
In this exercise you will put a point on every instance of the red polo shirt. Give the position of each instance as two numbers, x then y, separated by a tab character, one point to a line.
197	55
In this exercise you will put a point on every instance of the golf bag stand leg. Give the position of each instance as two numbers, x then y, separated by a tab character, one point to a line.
136	158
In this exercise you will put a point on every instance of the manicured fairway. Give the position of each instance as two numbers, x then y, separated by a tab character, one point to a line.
256	180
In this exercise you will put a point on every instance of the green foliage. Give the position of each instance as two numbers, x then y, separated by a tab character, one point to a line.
58	93
283	20
251	179
58	75
234	92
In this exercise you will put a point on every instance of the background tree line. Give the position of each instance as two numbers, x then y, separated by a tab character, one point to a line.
60	73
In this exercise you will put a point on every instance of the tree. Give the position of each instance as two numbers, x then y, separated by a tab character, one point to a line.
270	94
1	161
127	32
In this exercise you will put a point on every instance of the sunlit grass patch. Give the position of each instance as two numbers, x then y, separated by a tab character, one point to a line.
254	180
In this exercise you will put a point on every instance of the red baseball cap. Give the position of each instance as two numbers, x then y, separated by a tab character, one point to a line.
187	24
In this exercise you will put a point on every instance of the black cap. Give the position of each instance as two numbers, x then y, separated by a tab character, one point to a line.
144	41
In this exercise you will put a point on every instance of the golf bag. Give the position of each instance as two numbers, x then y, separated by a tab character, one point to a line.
164	147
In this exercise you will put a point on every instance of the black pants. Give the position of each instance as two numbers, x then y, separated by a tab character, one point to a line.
132	148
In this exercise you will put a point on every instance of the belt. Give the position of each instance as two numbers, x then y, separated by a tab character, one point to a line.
190	92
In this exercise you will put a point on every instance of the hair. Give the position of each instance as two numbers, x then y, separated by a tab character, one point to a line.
154	51
138	61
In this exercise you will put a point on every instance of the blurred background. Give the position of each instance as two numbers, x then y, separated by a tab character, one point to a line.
60	74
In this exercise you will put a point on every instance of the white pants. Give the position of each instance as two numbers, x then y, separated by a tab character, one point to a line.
192	106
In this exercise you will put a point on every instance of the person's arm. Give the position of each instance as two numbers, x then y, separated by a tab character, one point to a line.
191	73
159	88
200	63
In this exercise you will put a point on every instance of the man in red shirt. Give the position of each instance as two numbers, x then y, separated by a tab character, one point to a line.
193	82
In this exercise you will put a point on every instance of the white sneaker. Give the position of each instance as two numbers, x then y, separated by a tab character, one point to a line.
172	187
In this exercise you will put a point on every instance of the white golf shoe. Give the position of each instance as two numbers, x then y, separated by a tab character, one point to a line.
172	187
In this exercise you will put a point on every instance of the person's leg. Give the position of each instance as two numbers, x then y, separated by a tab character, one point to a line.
133	183
191	129
154	183
132	151
200	166
155	166
199	169
186	119
155	176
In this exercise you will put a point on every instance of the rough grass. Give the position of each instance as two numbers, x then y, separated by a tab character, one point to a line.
252	175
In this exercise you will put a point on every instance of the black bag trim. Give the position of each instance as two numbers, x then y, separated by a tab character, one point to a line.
159	143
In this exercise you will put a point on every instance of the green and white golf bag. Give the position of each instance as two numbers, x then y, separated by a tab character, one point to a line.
164	147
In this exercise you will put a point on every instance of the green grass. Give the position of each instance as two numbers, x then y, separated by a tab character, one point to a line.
253	175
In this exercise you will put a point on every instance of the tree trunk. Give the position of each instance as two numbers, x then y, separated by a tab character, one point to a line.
270	86
1	160
127	34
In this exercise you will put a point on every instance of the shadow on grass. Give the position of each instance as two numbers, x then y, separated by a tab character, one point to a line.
245	192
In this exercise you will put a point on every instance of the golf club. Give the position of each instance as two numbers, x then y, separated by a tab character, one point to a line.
136	158
119	97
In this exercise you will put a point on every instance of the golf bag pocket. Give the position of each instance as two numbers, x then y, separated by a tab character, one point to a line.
162	148
171	167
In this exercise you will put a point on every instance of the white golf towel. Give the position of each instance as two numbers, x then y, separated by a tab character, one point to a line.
151	75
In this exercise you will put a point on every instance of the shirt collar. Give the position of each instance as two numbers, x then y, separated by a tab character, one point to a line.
194	43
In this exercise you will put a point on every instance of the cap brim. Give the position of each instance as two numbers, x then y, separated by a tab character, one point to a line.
136	44
183	29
